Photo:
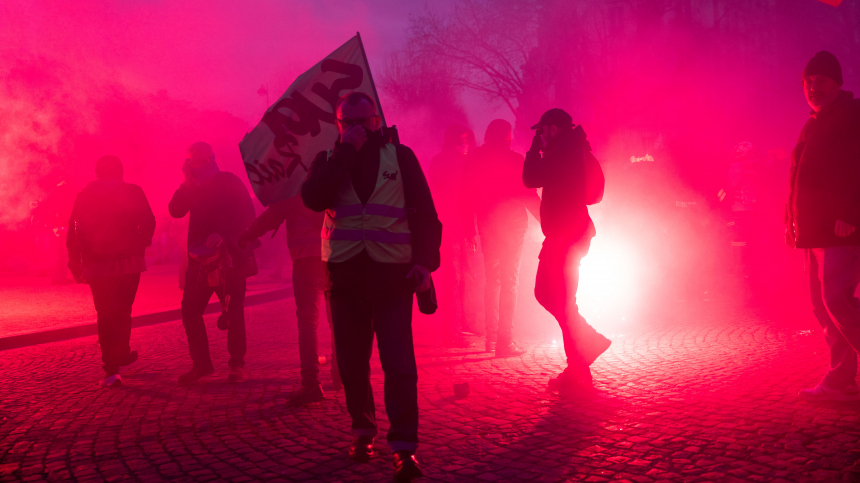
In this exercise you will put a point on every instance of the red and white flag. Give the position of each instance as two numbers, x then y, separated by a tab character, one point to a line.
279	151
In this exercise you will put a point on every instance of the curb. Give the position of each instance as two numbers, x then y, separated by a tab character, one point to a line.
66	333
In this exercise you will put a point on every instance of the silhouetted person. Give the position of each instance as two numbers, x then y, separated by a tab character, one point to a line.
571	179
493	194
446	179
822	217
381	240
305	245
109	229
220	209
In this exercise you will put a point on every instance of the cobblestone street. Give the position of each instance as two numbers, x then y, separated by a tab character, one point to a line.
706	394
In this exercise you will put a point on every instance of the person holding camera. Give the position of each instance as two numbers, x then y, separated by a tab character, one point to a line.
220	209
380	241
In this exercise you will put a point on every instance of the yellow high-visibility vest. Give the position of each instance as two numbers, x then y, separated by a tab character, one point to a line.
380	226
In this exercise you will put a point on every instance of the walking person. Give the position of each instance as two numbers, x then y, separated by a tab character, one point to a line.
446	180
381	240
560	162
303	228
109	229
822	217
220	209
494	197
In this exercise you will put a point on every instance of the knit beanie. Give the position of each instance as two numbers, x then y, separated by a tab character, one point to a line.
824	63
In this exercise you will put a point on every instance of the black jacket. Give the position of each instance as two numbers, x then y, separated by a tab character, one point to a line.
220	205
561	174
111	221
825	176
327	175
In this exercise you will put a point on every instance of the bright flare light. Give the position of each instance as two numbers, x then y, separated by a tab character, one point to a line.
609	283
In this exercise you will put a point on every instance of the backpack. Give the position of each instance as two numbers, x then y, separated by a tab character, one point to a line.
595	182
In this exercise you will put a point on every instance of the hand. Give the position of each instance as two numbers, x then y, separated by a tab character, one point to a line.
843	229
537	141
245	239
356	135
421	276
214	240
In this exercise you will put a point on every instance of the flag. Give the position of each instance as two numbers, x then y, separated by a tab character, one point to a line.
279	151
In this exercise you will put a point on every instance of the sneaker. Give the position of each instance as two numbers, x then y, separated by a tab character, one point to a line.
571	380
361	449
130	359
195	375
237	374
307	394
822	392
406	467
509	350
112	380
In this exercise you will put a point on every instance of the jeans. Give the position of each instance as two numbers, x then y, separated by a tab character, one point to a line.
368	297
452	289
502	253
309	291
113	298
834	274
555	289
195	298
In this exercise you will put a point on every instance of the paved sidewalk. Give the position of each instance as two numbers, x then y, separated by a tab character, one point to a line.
704	394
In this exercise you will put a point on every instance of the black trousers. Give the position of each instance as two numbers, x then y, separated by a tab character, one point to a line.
369	298
195	298
113	298
502	253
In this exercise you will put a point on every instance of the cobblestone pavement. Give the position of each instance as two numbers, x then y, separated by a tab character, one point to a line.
706	394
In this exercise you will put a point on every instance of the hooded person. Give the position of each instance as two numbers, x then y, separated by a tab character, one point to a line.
495	201
109	229
822	216
219	209
560	162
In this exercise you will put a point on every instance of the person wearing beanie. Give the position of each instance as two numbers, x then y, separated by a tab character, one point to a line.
822	216
110	227
219	208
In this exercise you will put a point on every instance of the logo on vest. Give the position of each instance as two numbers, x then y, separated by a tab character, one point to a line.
391	176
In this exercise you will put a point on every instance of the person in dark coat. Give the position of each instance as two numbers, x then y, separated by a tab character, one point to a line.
446	180
109	229
220	209
560	162
822	217
494	197
380	241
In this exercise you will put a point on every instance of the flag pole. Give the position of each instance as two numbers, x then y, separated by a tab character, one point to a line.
372	84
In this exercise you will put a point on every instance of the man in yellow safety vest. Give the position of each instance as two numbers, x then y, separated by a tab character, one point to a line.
380	241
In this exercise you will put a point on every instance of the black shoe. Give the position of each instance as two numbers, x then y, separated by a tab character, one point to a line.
406	467
509	350
195	375
307	394
237	375
130	359
361	449
572	381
